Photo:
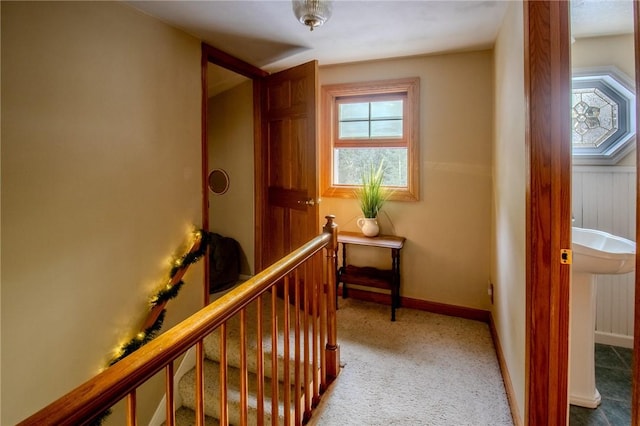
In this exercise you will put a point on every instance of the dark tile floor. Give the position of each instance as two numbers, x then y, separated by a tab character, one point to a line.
613	380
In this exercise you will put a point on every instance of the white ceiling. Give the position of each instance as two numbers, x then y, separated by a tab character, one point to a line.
591	18
266	34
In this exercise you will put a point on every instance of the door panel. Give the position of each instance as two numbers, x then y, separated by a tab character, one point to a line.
276	218
288	116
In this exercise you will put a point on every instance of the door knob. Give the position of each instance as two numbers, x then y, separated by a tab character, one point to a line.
310	202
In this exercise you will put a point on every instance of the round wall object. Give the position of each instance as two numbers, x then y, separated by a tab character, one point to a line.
218	181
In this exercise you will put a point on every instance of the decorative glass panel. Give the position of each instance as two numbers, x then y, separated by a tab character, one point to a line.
350	163
603	116
594	117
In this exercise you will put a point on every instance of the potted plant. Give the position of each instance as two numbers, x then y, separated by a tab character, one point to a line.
371	196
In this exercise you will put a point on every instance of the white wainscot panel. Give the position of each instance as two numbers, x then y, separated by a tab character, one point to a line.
604	198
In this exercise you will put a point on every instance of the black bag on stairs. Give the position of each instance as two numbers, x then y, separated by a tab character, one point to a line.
224	262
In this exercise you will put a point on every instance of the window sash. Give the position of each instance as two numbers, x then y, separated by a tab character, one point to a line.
347	173
406	90
370	119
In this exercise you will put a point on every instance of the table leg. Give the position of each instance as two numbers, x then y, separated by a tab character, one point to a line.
395	285
344	268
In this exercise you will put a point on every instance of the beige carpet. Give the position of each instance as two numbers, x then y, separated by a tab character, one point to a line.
423	369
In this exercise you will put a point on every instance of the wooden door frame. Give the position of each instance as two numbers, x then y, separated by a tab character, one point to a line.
210	54
548	209
635	378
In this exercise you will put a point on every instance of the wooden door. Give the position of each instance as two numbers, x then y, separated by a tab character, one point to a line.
288	208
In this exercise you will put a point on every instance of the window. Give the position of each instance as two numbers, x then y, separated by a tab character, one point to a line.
364	124
602	116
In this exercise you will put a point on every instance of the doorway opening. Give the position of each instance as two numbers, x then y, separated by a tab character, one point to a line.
604	176
228	146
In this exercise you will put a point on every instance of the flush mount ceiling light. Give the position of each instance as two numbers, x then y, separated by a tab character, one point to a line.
312	13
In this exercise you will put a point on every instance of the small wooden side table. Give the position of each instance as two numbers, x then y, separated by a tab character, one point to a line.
388	279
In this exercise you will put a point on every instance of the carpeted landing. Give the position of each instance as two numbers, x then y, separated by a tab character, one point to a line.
423	369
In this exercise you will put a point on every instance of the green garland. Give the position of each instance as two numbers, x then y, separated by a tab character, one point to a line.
101	418
165	294
191	257
140	339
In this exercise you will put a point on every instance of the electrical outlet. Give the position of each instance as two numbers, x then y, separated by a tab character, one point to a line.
490	292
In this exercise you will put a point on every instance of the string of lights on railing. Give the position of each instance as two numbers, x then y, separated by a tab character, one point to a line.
157	302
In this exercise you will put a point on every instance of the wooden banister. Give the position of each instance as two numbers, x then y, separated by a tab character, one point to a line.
89	400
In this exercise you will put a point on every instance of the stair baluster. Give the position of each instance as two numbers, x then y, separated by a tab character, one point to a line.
260	362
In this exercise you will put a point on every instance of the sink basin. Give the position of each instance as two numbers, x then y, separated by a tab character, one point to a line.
594	252
598	252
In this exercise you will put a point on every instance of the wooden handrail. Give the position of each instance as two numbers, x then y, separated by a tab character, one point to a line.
90	399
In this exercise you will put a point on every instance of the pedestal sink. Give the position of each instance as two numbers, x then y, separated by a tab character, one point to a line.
594	252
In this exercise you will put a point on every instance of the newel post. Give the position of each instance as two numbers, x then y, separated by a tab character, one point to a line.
332	349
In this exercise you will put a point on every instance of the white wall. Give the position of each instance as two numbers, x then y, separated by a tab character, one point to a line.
100	185
230	133
509	186
446	258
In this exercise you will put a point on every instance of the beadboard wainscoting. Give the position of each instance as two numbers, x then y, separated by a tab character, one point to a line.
604	199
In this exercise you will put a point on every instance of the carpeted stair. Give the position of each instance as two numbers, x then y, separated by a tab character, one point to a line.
185	414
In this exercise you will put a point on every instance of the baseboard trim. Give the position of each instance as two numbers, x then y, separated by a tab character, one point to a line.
506	377
614	339
422	305
445	309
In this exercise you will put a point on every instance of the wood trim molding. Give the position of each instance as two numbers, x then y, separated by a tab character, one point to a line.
421	305
205	169
635	378
506	377
548	210
218	57
259	174
446	309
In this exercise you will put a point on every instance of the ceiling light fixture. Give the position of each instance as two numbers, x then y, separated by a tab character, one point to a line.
312	13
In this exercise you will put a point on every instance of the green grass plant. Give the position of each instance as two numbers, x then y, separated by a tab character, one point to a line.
372	195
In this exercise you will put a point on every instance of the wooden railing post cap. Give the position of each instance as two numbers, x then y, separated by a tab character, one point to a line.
332	228
330	220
